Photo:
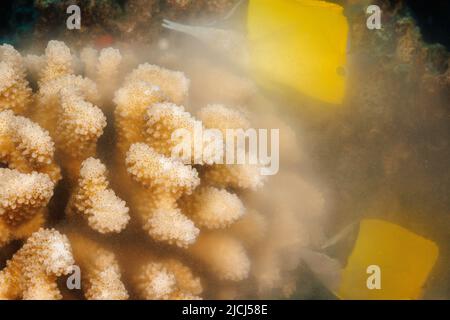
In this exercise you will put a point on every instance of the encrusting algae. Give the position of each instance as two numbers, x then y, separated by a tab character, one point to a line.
141	223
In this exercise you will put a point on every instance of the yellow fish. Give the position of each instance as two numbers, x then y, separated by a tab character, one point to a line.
301	44
404	258
295	44
388	262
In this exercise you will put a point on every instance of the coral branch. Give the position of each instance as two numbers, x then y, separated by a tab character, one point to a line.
33	270
58	62
167	280
223	255
107	72
92	198
25	146
173	84
79	126
239	176
131	102
217	116
163	180
23	195
15	94
99	268
213	208
162	174
162	119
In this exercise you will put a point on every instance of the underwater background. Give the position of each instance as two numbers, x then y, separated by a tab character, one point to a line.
386	154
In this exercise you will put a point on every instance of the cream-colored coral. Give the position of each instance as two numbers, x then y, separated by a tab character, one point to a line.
33	270
213	208
104	68
58	62
25	146
162	120
107	71
163	181
15	91
48	98
23	195
79	126
100	270
167	223
167	279
65	107
166	175
49	91
155	282
195	211
172	131
23	201
132	101
239	176
224	255
34	64
173	84
218	116
92	198
13	57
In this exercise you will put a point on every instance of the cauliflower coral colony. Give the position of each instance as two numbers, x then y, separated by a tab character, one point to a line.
88	182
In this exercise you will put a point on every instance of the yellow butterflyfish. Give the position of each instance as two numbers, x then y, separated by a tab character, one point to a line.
301	44
298	45
387	262
404	259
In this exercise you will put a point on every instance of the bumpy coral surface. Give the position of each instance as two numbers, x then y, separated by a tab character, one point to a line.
90	154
